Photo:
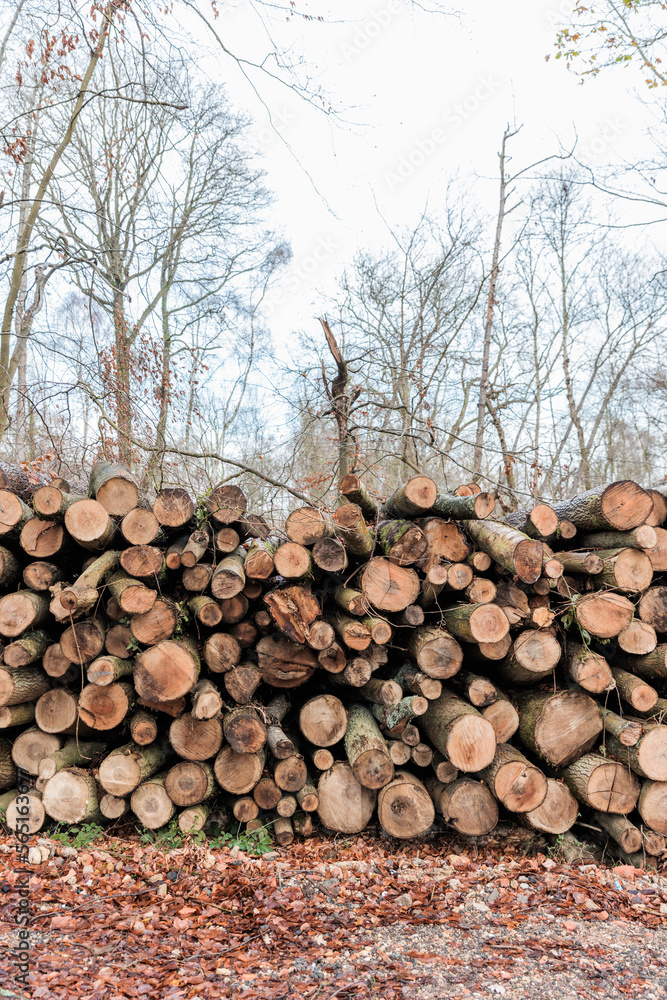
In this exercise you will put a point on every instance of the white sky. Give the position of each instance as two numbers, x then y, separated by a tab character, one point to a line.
427	98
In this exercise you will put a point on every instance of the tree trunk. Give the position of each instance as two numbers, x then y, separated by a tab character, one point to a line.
533	656
477	507
476	622
588	669
634	691
466	805
345	805
559	727
604	785
405	808
520	555
125	768
41	539
652	805
190	782
22	611
151	804
239	772
221	652
103	708
557	813
603	615
114	487
503	716
25	684
28	649
71	796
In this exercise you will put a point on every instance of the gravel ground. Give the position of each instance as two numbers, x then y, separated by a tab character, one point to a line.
536	960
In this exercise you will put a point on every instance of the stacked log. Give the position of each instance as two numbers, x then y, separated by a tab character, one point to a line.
413	655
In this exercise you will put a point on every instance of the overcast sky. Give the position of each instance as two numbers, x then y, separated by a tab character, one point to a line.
424	98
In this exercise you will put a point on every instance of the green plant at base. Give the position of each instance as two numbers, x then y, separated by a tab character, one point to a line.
171	837
78	836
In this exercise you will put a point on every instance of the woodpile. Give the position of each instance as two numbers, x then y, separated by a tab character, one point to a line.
405	658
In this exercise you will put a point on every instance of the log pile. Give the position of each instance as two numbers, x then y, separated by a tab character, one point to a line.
407	657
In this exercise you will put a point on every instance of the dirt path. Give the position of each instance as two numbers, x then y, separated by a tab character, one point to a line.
325	920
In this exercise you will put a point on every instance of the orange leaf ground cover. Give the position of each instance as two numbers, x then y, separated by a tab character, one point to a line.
317	920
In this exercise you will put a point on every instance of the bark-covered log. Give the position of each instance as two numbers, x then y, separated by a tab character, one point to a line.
476	622
22	611
366	749
330	555
652	608
557	813
24	684
17	715
226	504
466	805
511	549
634	691
588	669
354	491
345	805
28	649
652	805
405	808
113	487
388	587
621	506
518	784
127	766
558	726
602	784
402	542
503	716
478	506
411	679
647	757
588	563
629	570
413	498
539	521
459	732
395	718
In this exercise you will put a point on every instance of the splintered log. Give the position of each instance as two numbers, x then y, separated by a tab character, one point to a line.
559	727
621	506
405	808
292	561
539	521
113	487
366	749
126	767
588	669
206	700
416	682
557	813
28	649
294	609
143	561
388	587
533	656
459	732
195	739
167	670
634	691
629	570
143	727
89	524
652	805
652	608
205	610
413	498
239	772
603	614
478	506
307	525
503	716
70	796
323	720
156	625
226	504
31	746
476	622
466	805
402	542
345	805
445	541
173	508
103	708
22	685
221	652
283	663
56	711
22	611
638	639
151	804
515	552
42	539
602	784
647	757
141	527
518	784
190	782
